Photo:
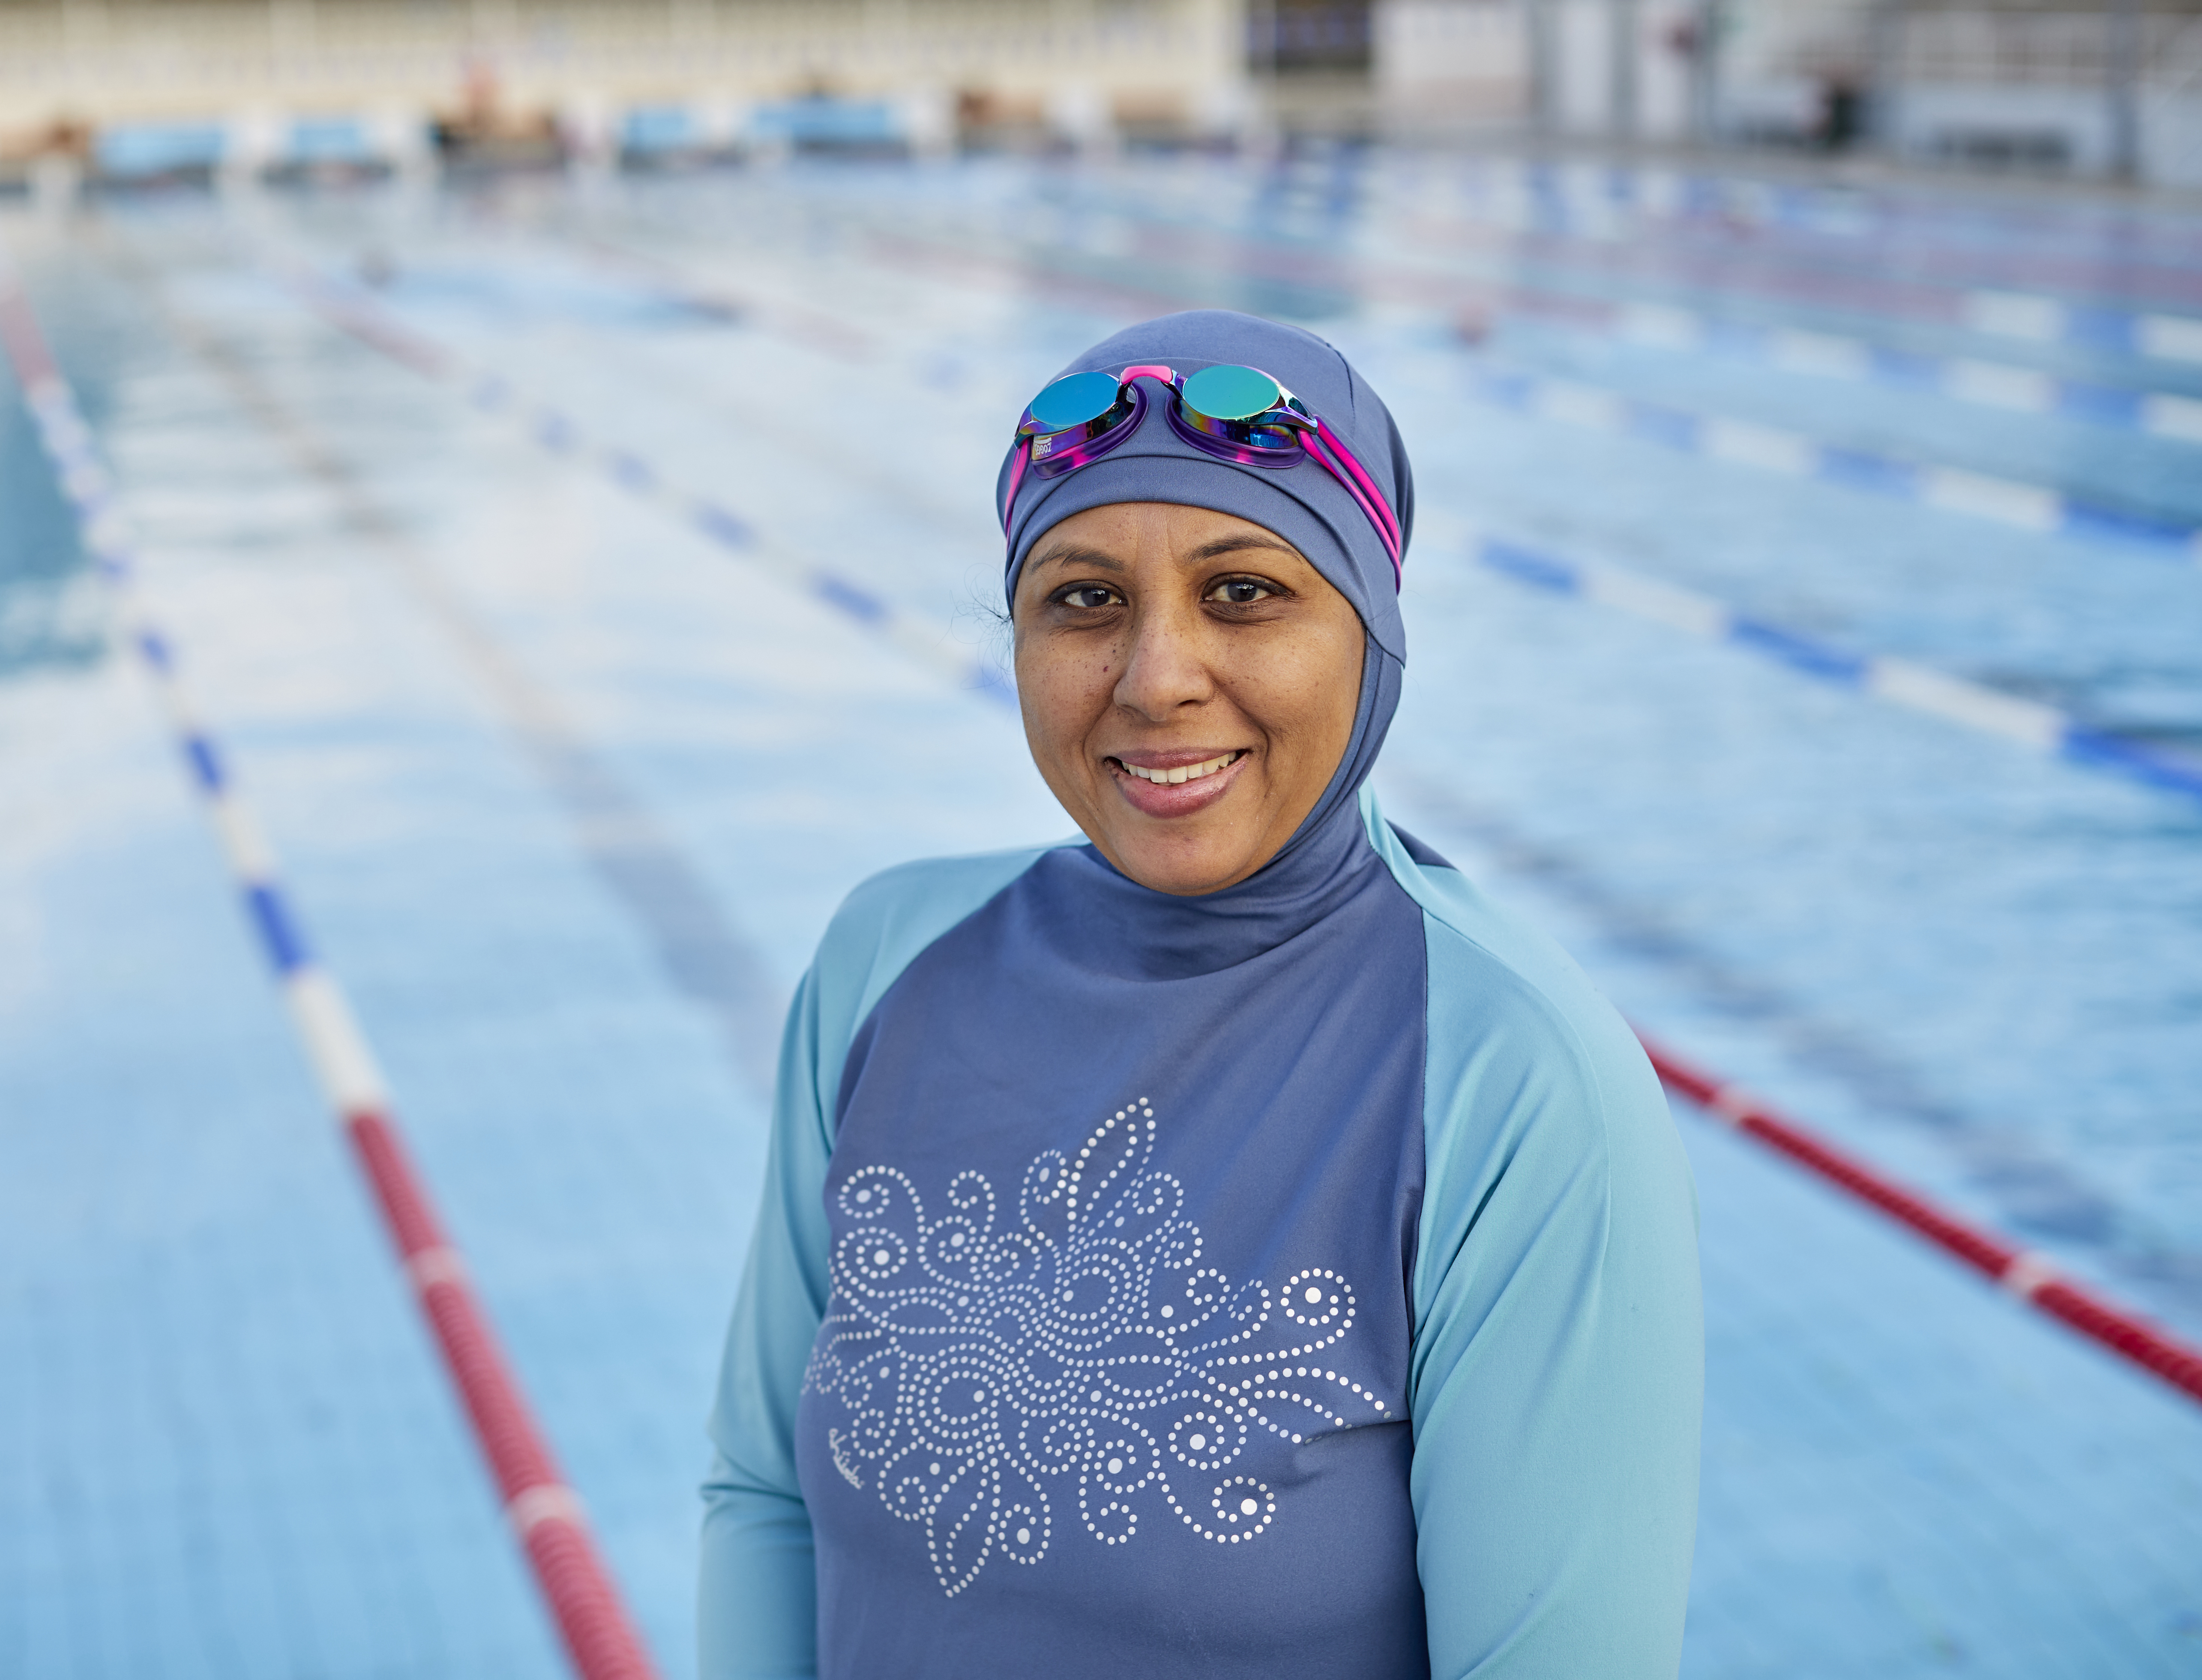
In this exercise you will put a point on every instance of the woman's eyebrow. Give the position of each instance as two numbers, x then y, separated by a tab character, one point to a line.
1224	545
1098	558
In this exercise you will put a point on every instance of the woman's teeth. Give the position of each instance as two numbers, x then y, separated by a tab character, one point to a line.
1183	772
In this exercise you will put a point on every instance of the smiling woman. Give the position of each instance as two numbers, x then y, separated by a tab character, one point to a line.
1231	1246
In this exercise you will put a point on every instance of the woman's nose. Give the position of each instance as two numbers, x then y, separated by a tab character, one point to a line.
1164	668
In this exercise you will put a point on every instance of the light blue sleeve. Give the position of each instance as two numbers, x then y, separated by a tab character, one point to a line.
1557	1375
756	1608
756	1599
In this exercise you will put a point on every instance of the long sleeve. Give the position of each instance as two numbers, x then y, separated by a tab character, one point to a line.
756	1608
1558	1370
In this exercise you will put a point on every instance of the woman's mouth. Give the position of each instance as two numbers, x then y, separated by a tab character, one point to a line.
1183	772
1161	788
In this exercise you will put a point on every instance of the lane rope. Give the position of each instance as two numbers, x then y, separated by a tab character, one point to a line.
545	1514
2027	1276
2006	502
2024	1274
1899	682
1818	354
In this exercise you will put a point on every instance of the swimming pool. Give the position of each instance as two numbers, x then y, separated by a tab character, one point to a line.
568	771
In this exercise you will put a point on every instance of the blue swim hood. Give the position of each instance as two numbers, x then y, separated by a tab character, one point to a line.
1302	504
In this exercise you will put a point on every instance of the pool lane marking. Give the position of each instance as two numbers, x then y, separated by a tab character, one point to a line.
544	1513
2024	1274
556	431
2006	502
1900	682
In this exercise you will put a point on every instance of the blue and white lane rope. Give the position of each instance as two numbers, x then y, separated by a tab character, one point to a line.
1918	688
2006	502
557	432
544	1512
1995	384
342	1062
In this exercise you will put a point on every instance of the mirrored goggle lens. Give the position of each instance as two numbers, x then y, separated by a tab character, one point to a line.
1228	393
1078	400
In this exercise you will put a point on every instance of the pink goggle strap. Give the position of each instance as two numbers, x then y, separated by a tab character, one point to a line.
1388	523
1372	506
1017	463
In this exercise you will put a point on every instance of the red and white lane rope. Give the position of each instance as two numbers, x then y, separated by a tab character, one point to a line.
545	1514
2029	1276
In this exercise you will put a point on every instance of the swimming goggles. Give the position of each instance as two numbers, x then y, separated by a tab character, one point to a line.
1238	414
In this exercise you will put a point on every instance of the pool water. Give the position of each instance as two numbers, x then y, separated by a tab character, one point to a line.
566	785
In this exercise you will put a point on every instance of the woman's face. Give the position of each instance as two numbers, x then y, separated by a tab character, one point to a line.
1188	683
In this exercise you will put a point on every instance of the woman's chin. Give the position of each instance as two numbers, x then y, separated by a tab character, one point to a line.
1180	881
1185	862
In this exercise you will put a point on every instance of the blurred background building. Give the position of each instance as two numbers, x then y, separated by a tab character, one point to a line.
138	87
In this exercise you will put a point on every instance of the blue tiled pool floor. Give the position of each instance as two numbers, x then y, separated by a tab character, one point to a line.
565	790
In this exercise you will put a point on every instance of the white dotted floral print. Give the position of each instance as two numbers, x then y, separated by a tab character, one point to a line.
993	1364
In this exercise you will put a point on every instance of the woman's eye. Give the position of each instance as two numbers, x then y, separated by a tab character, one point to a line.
1241	592
1090	596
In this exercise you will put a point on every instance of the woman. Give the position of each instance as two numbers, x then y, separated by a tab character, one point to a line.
1232	1245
